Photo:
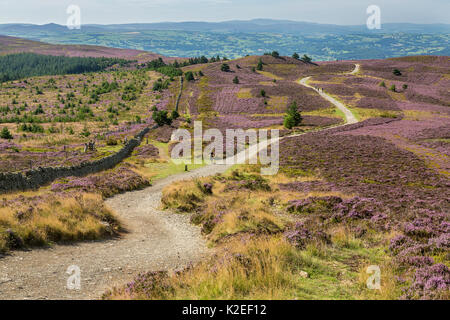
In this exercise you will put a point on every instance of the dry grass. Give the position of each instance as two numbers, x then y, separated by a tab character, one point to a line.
72	218
277	103
364	113
389	289
266	268
253	260
270	75
258	269
244	93
183	196
416	115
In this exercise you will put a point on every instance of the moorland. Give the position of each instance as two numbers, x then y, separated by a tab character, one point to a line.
346	197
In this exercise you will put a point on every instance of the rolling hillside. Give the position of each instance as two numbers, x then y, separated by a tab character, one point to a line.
240	38
347	195
9	45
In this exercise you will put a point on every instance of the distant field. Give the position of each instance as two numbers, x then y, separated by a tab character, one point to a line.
180	43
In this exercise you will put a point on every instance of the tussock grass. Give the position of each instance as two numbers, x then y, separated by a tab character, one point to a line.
266	268
253	258
184	196
72	218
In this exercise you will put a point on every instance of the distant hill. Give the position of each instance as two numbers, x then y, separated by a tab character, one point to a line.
257	25
235	39
10	45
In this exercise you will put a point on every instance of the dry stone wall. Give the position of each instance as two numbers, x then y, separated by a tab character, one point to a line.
35	178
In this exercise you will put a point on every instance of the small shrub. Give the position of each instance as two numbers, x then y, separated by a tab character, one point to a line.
85	133
189	76
289	122
111	141
174	115
293	117
161	118
259	67
225	67
5	134
306	59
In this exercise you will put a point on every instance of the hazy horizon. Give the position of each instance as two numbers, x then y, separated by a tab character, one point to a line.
221	21
349	12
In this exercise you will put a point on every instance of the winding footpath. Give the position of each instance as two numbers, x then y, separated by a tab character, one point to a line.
156	240
350	117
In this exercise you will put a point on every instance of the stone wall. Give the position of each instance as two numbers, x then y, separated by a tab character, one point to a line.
35	178
179	94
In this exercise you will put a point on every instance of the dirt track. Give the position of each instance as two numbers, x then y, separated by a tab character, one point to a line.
157	241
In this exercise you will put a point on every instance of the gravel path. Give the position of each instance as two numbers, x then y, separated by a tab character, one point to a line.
350	117
156	240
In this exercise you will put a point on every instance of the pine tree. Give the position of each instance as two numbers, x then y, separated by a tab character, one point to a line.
225	67
189	76
306	59
259	67
293	117
5	134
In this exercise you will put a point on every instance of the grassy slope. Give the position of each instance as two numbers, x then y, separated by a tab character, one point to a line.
254	260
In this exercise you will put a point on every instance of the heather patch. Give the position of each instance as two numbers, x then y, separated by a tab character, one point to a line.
308	186
319	121
370	166
147	151
325	205
375	103
423	70
430	282
396	191
337	208
300	236
107	183
217	91
241	180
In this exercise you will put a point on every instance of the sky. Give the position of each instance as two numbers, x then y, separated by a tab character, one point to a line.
343	12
